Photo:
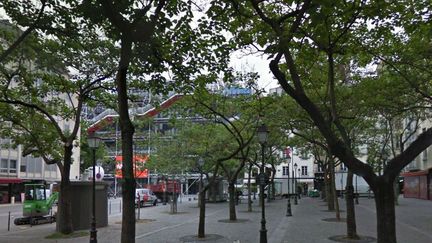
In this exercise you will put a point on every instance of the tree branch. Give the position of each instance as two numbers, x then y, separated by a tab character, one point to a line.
24	34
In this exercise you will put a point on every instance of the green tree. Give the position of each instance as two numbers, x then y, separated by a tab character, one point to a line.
237	115
36	16
155	38
45	105
207	141
297	36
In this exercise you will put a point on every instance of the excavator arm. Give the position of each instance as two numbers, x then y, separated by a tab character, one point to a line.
52	198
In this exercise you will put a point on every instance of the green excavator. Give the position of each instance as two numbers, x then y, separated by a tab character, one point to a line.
37	206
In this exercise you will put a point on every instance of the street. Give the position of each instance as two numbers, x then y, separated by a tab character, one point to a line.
15	211
414	223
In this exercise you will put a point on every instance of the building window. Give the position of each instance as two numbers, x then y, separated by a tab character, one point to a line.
4	166
23	168
12	166
304	171
30	164
38	165
285	170
51	167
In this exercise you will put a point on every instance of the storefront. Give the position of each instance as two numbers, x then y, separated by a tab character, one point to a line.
417	184
10	187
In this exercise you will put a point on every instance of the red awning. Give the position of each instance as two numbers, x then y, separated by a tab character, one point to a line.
10	180
416	173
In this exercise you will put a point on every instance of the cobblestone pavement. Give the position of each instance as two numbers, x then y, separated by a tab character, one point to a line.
157	225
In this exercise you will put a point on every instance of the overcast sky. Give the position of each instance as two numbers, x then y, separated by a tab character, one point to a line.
241	62
255	63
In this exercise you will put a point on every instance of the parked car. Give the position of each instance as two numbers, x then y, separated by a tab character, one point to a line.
145	197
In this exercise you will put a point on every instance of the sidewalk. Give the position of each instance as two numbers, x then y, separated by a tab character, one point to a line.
3	205
414	224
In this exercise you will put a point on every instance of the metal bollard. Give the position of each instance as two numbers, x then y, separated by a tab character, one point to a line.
139	207
9	221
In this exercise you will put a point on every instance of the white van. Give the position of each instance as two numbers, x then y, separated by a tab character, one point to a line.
144	196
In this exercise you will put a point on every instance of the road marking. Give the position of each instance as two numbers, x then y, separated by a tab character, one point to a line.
174	226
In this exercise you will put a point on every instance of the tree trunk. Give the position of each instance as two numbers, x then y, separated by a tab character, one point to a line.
271	190
214	194
172	204
64	222
127	131
333	188
232	200
174	196
201	224
272	183
349	198
200	188
385	208
396	190
165	198
175	202
249	189
329	191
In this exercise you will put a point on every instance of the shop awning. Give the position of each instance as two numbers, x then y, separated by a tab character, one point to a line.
416	173
10	180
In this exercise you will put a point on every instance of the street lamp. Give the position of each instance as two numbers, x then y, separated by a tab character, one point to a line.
295	183
262	139
288	213
93	143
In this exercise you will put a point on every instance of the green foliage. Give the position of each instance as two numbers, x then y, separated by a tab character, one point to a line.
47	79
356	67
192	141
167	53
86	155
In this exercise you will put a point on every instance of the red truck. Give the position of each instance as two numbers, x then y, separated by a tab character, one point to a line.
168	186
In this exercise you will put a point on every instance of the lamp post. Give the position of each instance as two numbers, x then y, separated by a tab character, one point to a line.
262	138
295	184
93	143
288	213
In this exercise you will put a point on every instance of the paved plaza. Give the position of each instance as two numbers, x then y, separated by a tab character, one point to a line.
414	223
